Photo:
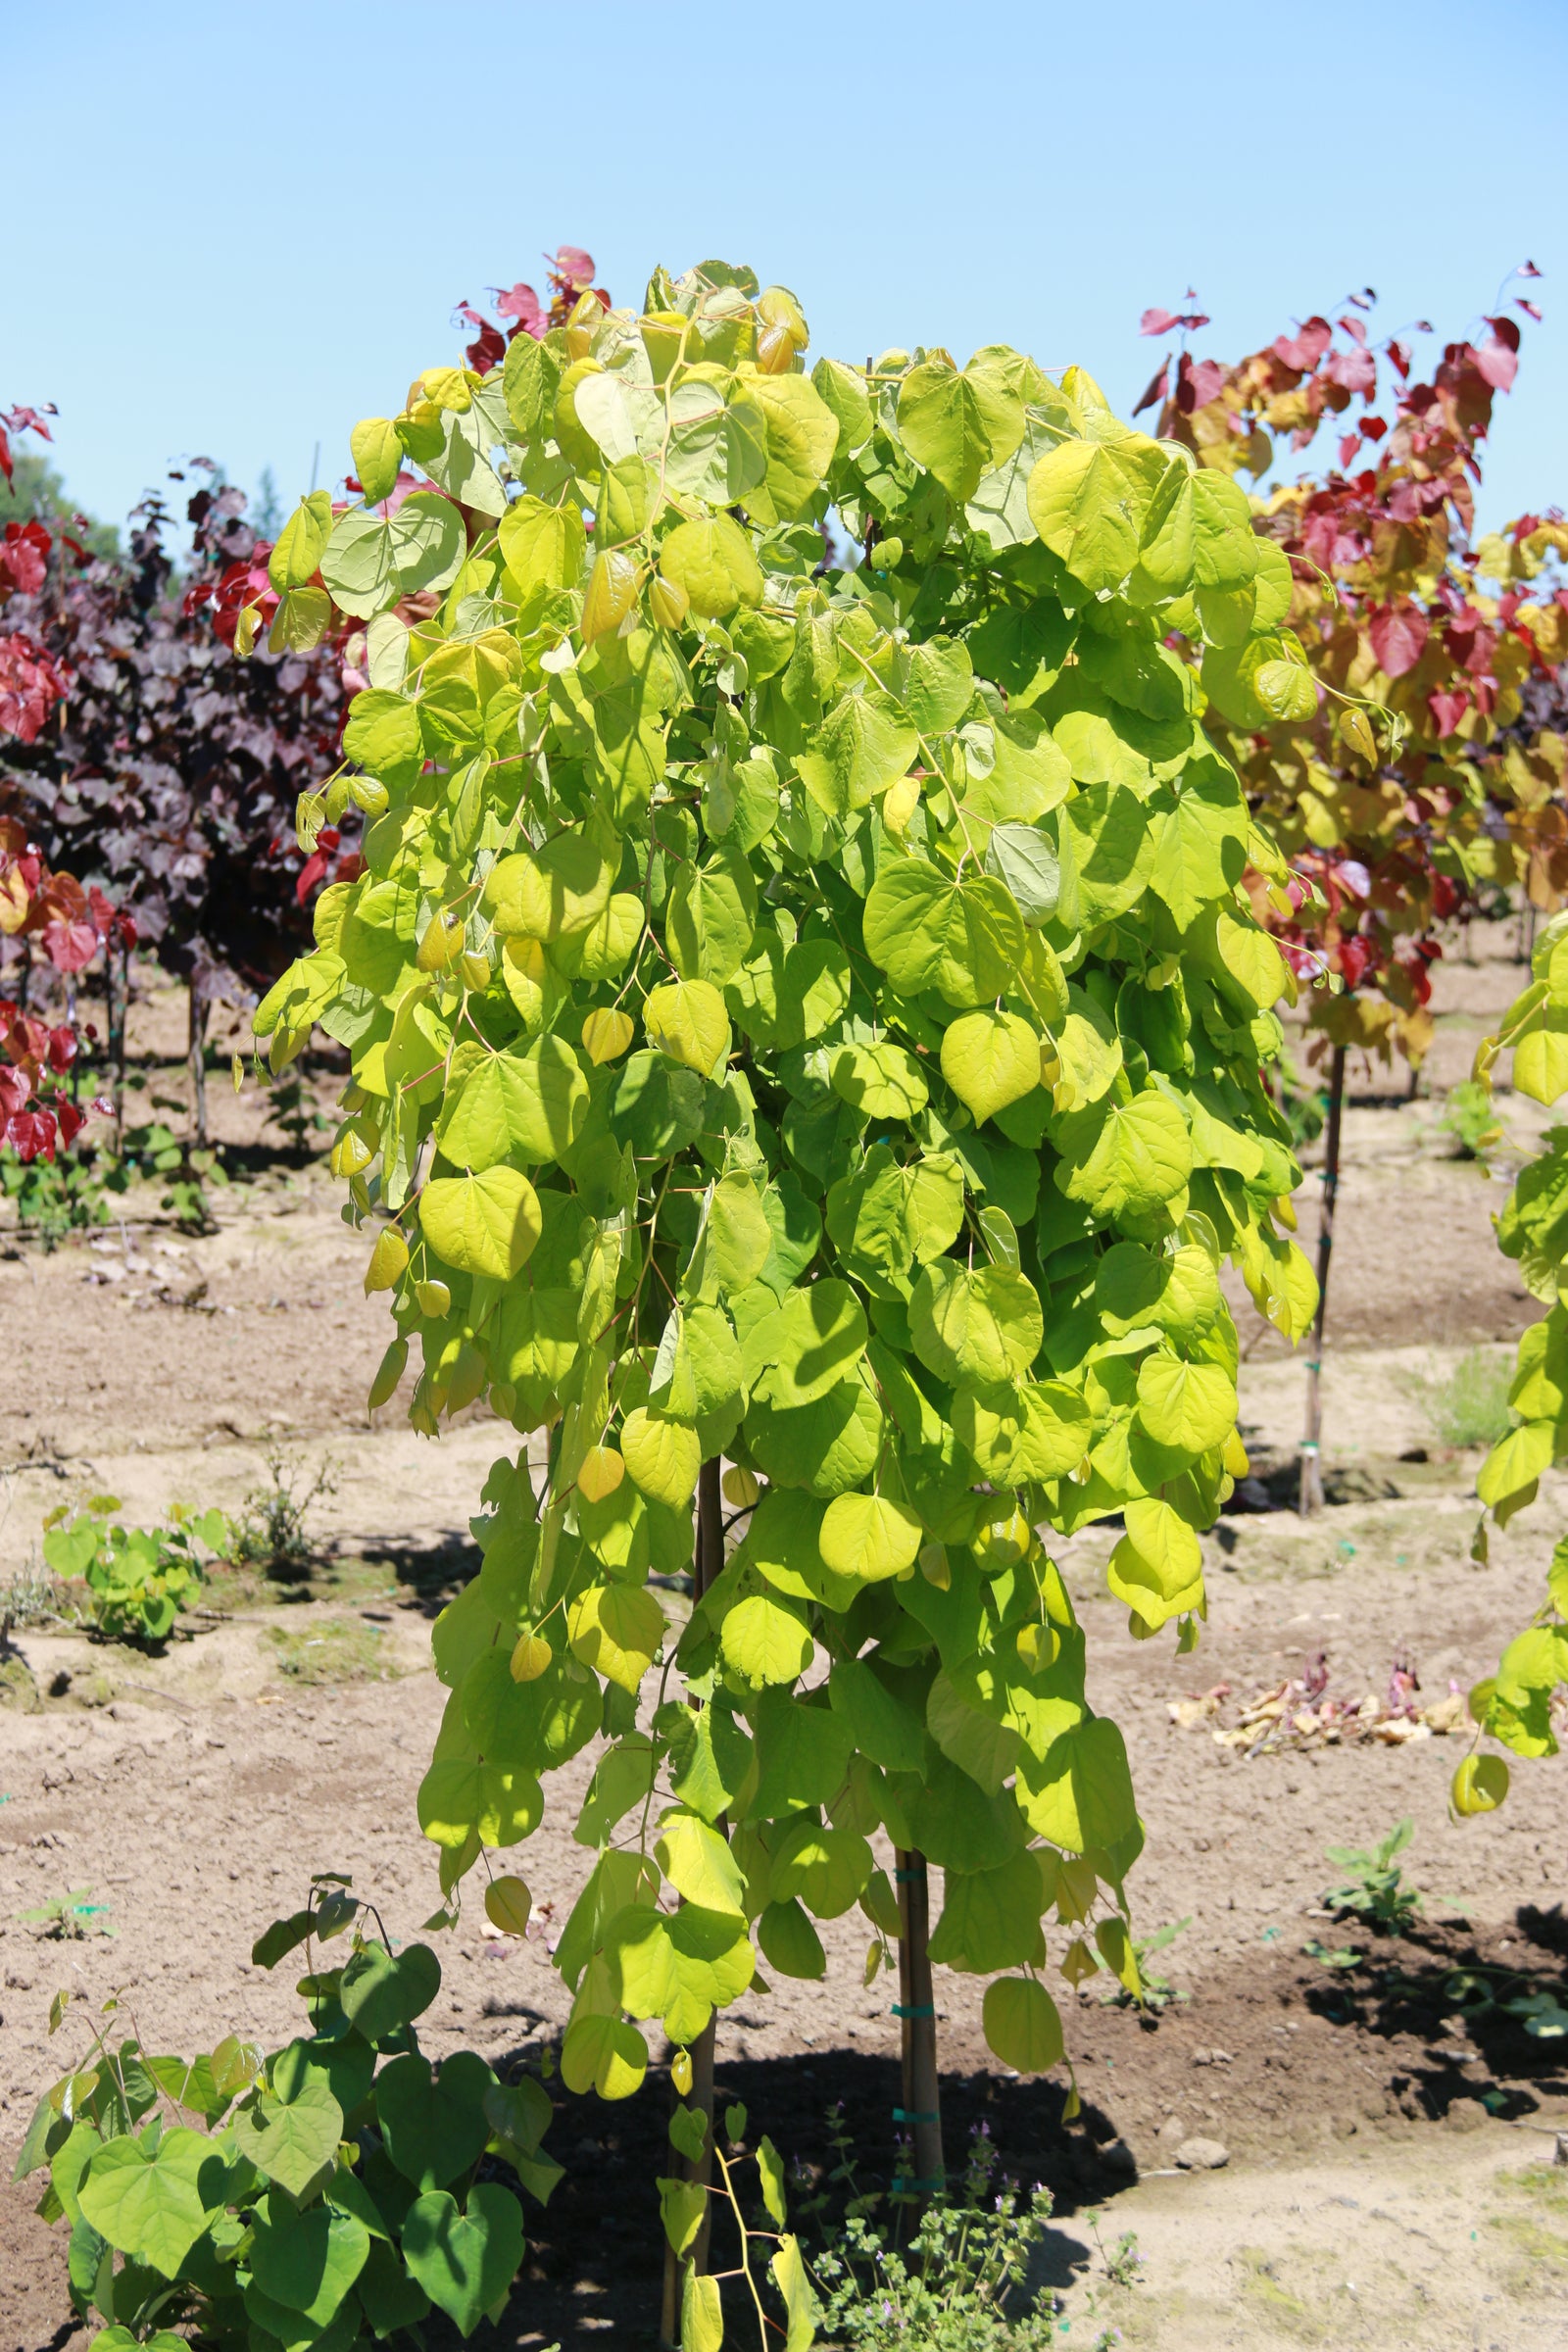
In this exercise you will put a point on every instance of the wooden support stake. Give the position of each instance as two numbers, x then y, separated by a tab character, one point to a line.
921	2112
197	1050
1312	1490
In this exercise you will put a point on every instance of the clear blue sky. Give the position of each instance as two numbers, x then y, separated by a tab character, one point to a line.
236	232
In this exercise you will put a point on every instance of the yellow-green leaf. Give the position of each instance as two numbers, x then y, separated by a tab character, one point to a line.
487	1224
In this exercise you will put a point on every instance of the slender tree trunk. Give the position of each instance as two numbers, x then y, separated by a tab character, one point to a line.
73	1081
197	1049
1311	1494
119	1005
708	1563
921	2111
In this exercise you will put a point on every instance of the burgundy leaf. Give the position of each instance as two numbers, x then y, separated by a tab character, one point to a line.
1399	634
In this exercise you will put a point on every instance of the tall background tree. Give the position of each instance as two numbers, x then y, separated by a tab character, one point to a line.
1398	722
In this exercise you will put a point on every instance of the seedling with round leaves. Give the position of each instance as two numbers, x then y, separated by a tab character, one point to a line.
806	1015
322	2197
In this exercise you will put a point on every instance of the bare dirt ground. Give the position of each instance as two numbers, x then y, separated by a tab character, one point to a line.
1391	2177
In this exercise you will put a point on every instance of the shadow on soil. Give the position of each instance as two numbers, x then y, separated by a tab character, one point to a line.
595	2255
1438	1986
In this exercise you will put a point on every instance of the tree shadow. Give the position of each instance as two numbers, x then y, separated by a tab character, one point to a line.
1440	1987
596	2253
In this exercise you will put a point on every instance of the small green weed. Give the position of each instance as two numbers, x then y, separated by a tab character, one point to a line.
33	1596
1374	1885
953	2287
334	1650
1123	2264
153	1153
70	1917
1469	1406
1470	1121
54	1196
271	1531
1156	1992
1343	1956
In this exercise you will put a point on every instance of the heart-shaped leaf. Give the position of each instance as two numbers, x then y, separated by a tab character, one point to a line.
433	2129
465	2262
380	1993
292	2144
345	2066
308	2261
152	2202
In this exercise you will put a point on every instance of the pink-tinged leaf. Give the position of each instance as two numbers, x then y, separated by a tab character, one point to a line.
1399	359
519	302
1348	448
1156	323
1355	876
24	556
1303	350
1531	310
1497	364
31	421
575	266
30	685
1356	370
1354	328
7	465
1505	331
1209	381
1447	708
1527	269
1155	389
1399	634
69	946
1353	955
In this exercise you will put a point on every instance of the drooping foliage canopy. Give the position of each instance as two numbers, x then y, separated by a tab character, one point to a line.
804	1012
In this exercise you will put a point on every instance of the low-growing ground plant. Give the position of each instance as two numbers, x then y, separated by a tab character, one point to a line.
33	1596
336	2192
139	1579
1152	1993
330	1650
1469	1120
70	1917
271	1531
1374	1885
955	2284
1469	1405
56	1197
